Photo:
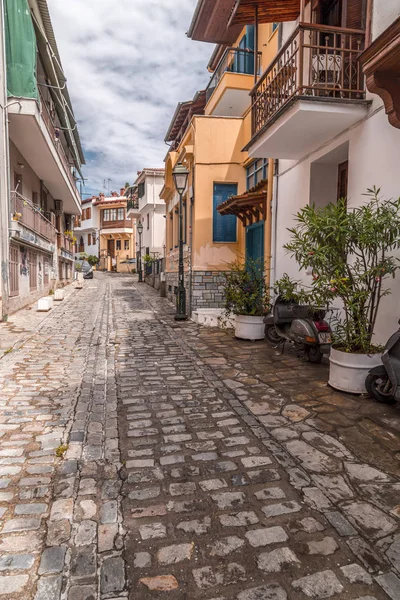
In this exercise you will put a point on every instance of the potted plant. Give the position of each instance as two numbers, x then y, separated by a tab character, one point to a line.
350	253
247	297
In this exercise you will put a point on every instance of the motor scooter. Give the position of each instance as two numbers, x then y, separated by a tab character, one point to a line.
302	325
383	382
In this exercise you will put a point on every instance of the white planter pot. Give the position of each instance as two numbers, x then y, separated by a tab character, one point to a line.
348	372
249	328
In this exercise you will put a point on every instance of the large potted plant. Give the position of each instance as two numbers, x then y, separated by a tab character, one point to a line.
350	253
247	297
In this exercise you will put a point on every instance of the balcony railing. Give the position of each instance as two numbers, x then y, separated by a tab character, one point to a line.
123	223
65	243
317	61
52	127
234	60
32	217
132	205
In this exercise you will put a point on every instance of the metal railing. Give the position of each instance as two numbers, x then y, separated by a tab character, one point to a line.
25	212
316	61
52	127
132	204
234	60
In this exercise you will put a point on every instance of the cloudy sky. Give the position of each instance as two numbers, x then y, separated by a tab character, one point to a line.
128	63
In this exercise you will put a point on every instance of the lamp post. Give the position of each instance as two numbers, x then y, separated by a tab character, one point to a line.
139	228
181	175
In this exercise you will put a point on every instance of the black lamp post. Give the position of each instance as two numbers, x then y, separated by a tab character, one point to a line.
139	228
181	175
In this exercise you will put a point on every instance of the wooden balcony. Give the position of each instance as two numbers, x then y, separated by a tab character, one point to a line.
32	217
318	63
121	224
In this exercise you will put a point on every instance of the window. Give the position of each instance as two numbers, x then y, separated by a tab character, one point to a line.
14	271
256	172
148	221
120	214
274	26
126	244
110	214
141	189
118	245
89	239
88	213
224	227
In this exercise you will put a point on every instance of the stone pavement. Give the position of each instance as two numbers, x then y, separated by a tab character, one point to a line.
141	458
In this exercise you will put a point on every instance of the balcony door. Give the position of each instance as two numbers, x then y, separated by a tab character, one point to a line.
339	13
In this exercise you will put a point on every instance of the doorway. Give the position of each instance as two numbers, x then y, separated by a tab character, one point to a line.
255	245
111	248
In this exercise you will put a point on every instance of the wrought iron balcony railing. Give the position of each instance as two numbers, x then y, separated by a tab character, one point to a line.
25	212
317	61
234	60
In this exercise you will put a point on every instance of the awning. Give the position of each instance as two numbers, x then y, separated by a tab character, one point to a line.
269	11
249	207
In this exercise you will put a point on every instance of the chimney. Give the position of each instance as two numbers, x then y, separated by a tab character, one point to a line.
114	194
122	192
101	195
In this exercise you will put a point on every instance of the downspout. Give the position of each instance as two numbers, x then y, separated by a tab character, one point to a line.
255	43
268	217
274	220
4	177
191	200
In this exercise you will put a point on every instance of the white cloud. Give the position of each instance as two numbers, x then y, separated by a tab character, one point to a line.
128	63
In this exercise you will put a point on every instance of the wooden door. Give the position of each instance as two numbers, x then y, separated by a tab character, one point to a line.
343	176
111	248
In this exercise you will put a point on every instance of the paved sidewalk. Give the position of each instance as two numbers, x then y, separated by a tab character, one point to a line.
141	458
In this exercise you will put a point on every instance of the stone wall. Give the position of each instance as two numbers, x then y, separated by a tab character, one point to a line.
207	289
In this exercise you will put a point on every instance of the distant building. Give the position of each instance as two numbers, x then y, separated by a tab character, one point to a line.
87	230
150	211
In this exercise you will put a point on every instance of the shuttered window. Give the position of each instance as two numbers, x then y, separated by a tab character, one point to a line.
343	174
32	259
224	227
355	18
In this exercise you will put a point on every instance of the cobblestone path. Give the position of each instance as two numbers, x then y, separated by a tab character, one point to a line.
140	459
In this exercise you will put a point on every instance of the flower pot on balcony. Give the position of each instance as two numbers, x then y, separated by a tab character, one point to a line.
249	327
347	372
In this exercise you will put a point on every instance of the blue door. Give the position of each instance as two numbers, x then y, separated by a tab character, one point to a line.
255	244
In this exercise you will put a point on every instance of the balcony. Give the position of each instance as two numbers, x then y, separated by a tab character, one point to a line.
312	91
227	93
34	131
65	246
132	209
31	217
120	226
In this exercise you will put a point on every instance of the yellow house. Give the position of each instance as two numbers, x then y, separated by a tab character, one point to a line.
117	233
227	202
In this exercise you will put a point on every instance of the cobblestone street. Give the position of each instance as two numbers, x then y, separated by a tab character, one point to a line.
142	458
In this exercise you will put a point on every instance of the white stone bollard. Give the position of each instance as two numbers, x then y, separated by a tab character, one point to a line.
59	294
45	304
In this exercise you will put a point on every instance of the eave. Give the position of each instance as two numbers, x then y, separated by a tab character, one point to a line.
381	65
250	207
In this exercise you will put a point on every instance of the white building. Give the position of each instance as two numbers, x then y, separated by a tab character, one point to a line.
40	160
332	134
87	229
150	211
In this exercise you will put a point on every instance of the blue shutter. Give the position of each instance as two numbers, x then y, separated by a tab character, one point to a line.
224	226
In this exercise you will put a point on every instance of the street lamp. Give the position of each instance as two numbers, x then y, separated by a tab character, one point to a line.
181	175
139	228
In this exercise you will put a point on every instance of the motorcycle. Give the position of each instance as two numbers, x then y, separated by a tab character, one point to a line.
383	382
302	325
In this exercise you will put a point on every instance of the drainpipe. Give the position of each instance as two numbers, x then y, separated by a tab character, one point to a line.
4	176
274	221
190	266
268	219
255	43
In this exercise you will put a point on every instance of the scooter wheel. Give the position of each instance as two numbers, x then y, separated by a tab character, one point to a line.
272	335
373	383
314	355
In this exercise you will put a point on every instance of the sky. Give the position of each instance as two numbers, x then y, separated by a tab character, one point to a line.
128	63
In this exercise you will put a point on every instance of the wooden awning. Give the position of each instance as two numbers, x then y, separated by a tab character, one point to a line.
249	207
269	11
